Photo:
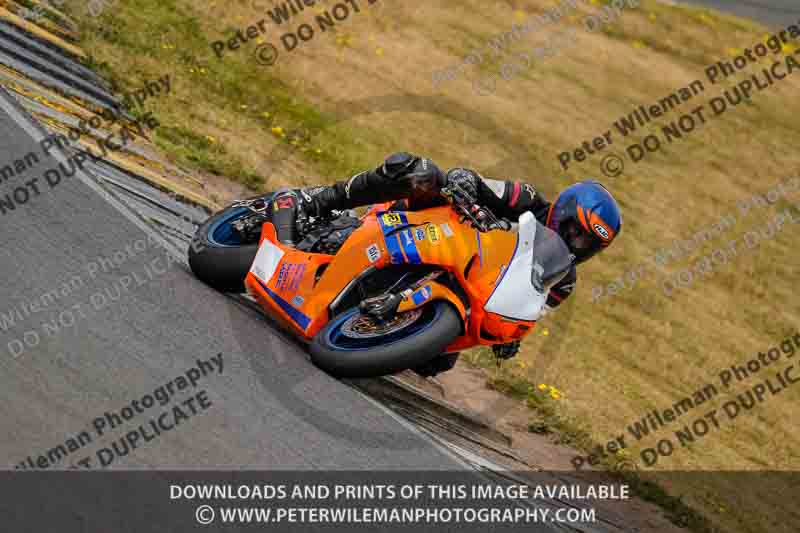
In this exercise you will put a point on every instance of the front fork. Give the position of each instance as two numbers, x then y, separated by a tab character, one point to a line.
387	305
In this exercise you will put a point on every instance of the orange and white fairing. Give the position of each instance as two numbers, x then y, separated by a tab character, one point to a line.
493	269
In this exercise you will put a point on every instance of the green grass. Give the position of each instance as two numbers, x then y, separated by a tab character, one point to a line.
235	87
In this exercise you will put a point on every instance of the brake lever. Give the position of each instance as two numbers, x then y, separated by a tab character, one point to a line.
256	205
480	217
465	205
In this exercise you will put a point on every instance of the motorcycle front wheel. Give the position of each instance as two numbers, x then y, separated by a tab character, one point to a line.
352	345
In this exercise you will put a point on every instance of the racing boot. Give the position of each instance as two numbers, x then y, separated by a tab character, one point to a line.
285	210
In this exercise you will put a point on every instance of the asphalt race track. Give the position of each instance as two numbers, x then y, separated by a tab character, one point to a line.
157	331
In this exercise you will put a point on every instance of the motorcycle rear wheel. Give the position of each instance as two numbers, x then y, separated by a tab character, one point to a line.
217	256
347	347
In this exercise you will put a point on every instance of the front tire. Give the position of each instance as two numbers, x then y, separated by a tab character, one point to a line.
343	352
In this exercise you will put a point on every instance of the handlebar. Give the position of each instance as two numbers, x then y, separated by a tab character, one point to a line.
480	217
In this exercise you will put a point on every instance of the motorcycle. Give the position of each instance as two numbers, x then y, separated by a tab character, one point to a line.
389	290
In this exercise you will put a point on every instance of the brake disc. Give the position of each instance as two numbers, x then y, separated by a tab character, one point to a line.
364	327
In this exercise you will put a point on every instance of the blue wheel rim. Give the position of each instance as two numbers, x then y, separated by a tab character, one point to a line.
337	340
221	232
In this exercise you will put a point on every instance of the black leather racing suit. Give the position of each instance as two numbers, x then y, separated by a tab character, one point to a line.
417	181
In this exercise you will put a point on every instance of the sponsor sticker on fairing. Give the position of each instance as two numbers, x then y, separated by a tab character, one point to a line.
373	253
433	234
421	295
392	219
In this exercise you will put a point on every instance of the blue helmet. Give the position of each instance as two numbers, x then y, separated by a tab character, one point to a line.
587	217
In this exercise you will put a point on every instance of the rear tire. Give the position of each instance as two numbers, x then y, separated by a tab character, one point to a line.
412	346
217	257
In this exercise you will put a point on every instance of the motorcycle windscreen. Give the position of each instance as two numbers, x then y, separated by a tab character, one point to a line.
541	259
552	259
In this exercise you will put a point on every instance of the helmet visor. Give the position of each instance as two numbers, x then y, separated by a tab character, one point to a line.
584	244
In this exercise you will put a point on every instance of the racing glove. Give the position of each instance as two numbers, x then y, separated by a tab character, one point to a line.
419	176
464	178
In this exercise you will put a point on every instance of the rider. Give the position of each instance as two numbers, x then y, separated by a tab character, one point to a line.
585	214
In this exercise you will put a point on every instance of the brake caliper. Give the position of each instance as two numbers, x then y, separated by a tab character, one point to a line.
383	308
